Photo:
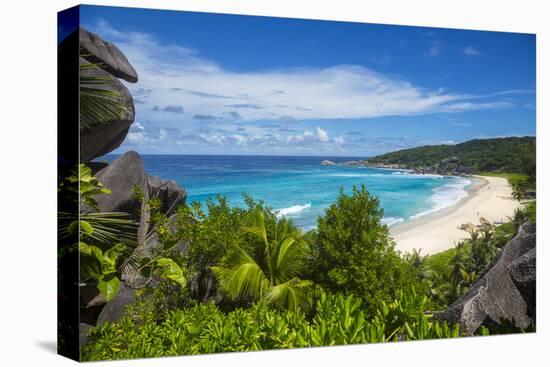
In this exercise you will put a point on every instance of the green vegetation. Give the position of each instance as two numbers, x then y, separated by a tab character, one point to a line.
271	271
512	154
449	274
248	280
146	332
107	242
353	251
523	185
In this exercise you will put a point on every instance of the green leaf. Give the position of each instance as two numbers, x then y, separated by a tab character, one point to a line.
108	262
73	227
84	248
86	227
108	286
171	270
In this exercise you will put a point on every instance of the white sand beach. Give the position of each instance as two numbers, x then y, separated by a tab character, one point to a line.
490	197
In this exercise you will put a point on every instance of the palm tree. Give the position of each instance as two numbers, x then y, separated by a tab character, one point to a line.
518	191
271	272
458	264
483	248
519	217
415	258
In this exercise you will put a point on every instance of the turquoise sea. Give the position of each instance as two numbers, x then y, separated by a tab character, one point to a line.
300	188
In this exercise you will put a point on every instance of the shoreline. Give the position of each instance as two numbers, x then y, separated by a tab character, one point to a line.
489	197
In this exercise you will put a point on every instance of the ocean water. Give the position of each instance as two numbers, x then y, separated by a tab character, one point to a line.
300	188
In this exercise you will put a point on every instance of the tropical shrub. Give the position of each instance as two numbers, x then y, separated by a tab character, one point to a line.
270	271
204	328
107	242
354	254
99	237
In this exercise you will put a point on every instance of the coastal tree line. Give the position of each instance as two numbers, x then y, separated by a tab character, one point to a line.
497	155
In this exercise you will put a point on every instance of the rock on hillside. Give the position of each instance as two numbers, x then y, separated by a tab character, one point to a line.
122	176
506	291
105	136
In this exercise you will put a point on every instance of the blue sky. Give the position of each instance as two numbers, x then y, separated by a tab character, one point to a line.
226	84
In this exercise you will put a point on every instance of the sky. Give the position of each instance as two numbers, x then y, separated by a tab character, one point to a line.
229	84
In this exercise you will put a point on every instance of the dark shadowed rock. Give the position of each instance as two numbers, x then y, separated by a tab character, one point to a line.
169	192
203	285
96	166
107	55
121	176
523	271
105	136
495	296
114	309
83	333
151	243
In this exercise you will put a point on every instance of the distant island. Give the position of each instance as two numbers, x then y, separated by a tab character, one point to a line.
496	155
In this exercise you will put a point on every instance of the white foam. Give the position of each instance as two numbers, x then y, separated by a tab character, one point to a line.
446	195
390	221
349	175
292	210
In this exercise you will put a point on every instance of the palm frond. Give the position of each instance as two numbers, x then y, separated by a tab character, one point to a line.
290	255
98	104
290	295
242	276
109	228
273	277
258	228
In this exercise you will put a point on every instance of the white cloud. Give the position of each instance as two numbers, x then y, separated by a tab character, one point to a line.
322	134
340	140
471	51
174	75
469	106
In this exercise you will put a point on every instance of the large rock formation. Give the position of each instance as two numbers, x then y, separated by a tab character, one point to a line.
113	311
101	59
523	271
505	292
107	55
126	174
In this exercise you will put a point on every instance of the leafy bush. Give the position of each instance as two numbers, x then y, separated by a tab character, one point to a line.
206	329
354	254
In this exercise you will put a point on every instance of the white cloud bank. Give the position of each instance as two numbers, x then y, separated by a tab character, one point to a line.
176	79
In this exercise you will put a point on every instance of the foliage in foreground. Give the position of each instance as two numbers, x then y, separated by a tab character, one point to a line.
350	256
354	254
107	242
271	271
206	329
